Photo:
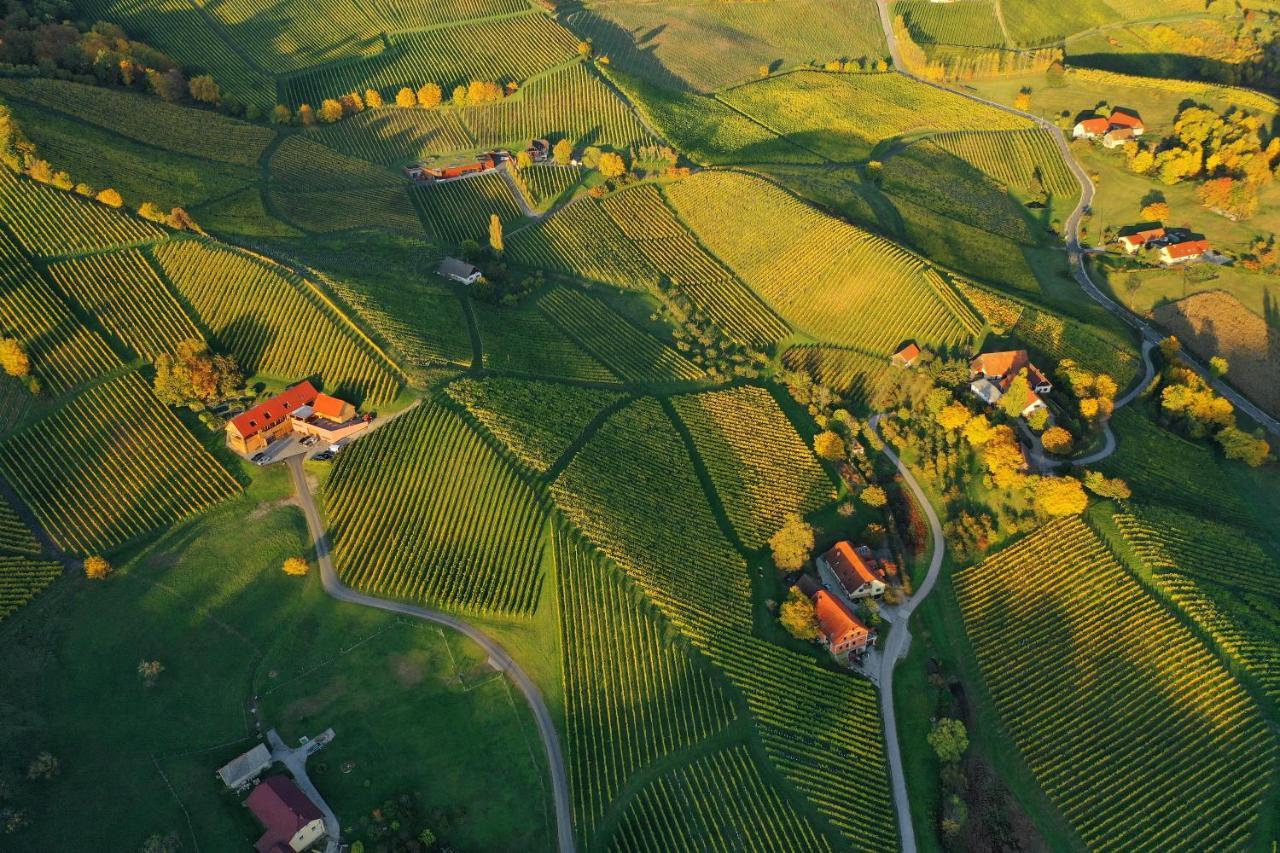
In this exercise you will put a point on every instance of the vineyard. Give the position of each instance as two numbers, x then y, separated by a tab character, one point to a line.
275	323
63	352
967	22
124	293
527	341
758	490
626	350
643	216
15	536
581	240
833	280
52	222
513	48
1016	158
394	15
21	579
849	373
536	420
423	509
290	35
149	120
634	690
719	796
394	136
1087	671
1236	601
459	210
821	730
843	116
125	465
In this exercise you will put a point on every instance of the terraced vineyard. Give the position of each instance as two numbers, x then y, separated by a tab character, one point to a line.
536	420
395	15
546	183
423	509
47	221
149	120
719	796
852	374
766	236
967	22
629	352
275	323
460	210
126	465
22	579
581	240
62	351
1235	600
1013	157
1058	627
396	136
643	216
758	490
294	34
634	690
15	536
506	49
124	293
525	340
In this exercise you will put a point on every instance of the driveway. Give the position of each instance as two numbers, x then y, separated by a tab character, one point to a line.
295	761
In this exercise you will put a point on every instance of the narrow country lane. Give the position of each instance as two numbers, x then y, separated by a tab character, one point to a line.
498	656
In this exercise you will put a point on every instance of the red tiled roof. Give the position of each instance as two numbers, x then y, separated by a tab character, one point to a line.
272	411
1125	120
994	365
1140	237
1094	124
907	354
834	619
1188	248
849	566
282	809
328	407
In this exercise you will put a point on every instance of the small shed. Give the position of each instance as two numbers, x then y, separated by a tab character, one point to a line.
459	271
244	768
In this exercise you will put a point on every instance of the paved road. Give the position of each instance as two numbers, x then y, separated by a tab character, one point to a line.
896	648
498	657
1075	252
295	761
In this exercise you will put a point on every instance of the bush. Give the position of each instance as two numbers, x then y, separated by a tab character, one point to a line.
96	568
296	566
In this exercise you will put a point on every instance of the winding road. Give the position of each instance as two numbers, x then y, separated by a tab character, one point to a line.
499	659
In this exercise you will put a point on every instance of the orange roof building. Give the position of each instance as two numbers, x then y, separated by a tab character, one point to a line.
1125	119
254	429
333	409
1133	242
906	356
858	575
1187	250
842	632
1091	127
1002	367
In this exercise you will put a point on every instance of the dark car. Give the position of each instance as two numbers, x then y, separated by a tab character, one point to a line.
259	459
320	457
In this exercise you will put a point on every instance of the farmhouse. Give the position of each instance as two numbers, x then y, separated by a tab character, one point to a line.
1188	250
459	271
243	769
1136	240
291	820
1122	118
1115	129
860	575
907	356
1117	137
842	632
329	419
1091	128
253	430
538	150
991	374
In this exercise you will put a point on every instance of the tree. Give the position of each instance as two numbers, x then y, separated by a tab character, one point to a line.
792	544
204	90
306	115
193	376
874	496
330	110
168	85
13	358
1107	487
1057	440
151	211
406	98
1219	366
562	152
149	671
523	159
764	71
829	445
1238	444
110	197
430	95
1038	419
591	157
296	566
158	843
1060	496
280	114
1157	210
459	96
612	165
1022	101
85	190
1170	348
978	430
495	233
43	767
372	98
798	617
1017	397
584	47
96	568
949	739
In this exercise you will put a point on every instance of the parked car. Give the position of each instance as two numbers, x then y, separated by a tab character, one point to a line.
320	457
310	440
259	459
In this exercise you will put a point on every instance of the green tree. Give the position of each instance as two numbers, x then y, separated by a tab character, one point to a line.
495	234
280	114
204	89
1253	450
792	544
1219	366
459	96
43	767
1107	487
798	617
1017	396
949	739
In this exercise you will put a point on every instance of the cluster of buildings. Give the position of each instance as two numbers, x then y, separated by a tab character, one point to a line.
538	151
852	572
300	410
1173	246
991	374
1114	130
291	822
